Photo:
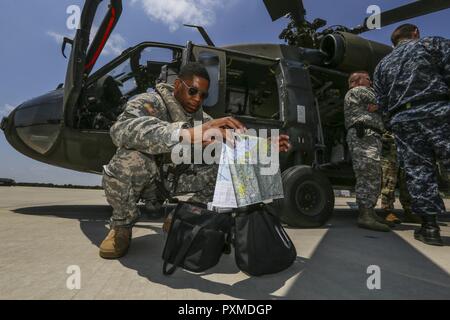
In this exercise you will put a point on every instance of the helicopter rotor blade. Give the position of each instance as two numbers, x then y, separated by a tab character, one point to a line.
409	11
280	8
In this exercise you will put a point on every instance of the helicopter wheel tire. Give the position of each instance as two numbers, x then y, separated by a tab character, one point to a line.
308	197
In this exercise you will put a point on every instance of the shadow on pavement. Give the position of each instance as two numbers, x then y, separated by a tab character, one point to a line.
338	267
145	252
336	270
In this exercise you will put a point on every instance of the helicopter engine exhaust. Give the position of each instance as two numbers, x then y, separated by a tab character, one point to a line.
348	52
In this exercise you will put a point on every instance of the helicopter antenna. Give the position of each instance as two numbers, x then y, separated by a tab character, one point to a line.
203	33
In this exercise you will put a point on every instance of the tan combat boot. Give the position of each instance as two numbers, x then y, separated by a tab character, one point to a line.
382	220
392	218
116	243
167	223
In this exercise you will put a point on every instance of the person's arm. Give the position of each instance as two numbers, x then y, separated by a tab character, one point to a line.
135	129
444	52
380	90
381	94
352	100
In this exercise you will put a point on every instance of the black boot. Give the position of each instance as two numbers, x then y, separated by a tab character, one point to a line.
368	219
429	232
410	217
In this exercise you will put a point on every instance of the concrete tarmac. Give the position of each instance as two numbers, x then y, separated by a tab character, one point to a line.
47	235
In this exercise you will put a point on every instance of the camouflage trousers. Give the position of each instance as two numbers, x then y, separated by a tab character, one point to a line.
392	173
365	153
420	144
132	175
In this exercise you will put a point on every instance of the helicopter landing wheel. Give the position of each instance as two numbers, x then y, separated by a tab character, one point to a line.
308	198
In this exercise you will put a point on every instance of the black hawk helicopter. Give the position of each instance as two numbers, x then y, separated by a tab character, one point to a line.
296	87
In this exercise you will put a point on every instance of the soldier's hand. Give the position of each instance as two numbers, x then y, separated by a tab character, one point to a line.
283	143
225	123
372	108
209	132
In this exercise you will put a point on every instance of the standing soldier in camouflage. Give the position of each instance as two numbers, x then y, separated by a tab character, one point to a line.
364	129
392	172
143	134
412	87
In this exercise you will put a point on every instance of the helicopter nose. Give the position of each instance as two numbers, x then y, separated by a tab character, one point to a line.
36	123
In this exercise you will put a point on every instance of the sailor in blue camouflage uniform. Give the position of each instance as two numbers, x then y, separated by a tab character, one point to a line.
412	87
143	134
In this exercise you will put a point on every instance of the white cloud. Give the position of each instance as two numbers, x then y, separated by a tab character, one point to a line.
6	110
56	36
174	13
114	46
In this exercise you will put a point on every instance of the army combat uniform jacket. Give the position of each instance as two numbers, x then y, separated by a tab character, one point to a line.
149	127
365	146
150	120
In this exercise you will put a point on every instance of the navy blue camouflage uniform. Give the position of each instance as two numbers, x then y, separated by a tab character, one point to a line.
412	88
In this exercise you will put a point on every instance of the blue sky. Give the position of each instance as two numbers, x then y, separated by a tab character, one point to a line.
31	63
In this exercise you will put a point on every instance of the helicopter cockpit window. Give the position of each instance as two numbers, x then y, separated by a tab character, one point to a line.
123	75
105	97
38	123
212	64
161	55
135	72
161	64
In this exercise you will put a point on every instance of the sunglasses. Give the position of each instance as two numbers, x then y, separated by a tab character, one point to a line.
192	91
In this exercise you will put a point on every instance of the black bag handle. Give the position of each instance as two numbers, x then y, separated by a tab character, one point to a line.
184	249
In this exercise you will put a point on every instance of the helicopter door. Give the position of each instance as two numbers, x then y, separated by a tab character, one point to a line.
84	54
214	62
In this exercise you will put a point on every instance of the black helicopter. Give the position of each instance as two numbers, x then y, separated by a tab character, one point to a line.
297	87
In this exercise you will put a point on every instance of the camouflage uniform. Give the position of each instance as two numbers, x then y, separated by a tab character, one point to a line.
412	85
366	150
392	173
143	134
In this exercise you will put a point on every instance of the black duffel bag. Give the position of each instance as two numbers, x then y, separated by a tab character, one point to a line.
261	245
196	238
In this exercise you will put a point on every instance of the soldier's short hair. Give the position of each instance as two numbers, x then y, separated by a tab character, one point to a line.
192	69
404	31
354	76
